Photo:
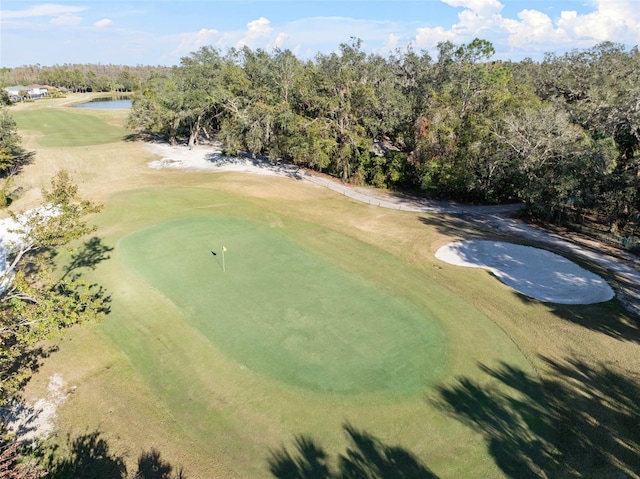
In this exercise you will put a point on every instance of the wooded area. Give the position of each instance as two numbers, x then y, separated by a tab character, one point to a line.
561	135
81	78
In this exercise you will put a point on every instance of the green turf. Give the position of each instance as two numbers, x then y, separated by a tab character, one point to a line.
307	329
284	311
64	128
218	393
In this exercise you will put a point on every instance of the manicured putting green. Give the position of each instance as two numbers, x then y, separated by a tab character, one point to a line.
61	128
286	312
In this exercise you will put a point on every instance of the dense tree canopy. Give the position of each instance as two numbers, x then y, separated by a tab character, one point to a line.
36	301
562	135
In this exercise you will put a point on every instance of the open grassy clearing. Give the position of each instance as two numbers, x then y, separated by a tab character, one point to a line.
68	128
157	373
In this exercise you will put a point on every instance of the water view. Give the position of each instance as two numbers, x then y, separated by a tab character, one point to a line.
106	103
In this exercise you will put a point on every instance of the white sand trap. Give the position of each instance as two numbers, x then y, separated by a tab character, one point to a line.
535	272
209	158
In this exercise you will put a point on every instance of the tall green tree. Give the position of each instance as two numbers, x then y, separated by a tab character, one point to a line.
35	303
456	147
599	88
12	155
188	101
152	112
560	168
200	90
345	95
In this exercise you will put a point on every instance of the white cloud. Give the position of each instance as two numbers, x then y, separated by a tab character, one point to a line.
479	18
535	31
392	41
105	22
192	41
256	30
66	20
533	27
612	20
483	8
259	34
45	10
429	37
279	41
476	23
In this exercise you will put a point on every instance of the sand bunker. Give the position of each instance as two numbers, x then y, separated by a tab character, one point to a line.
534	272
210	158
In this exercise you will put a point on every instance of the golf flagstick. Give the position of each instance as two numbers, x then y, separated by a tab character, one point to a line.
223	268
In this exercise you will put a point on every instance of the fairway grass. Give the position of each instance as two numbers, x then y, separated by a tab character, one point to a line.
68	128
330	312
307	329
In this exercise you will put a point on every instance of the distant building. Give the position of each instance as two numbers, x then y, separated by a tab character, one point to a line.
31	92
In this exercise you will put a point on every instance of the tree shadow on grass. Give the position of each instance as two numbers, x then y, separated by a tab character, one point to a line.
576	421
366	458
607	318
21	159
152	466
453	225
89	255
89	456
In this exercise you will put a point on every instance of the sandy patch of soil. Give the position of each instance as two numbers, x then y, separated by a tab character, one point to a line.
29	421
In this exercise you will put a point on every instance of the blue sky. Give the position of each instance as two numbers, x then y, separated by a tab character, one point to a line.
160	32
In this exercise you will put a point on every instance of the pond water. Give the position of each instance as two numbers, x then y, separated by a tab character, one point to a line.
106	103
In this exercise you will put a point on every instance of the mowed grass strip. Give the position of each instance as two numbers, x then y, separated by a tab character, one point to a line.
68	128
281	310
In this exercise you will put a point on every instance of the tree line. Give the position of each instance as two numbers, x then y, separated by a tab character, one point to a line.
561	135
82	77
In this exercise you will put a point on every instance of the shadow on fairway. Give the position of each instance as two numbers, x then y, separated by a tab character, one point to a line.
20	159
89	255
575	421
90	456
454	225
608	318
365	457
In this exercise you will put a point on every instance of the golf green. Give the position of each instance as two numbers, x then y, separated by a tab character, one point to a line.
284	311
